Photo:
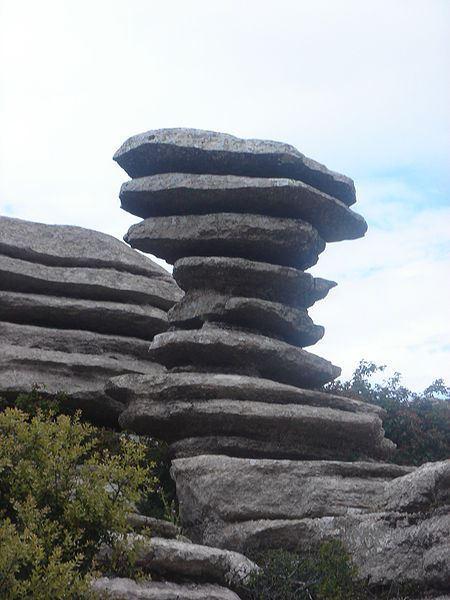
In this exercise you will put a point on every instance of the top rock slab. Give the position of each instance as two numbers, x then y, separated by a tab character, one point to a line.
209	152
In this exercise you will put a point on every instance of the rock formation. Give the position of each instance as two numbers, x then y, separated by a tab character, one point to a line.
76	308
262	456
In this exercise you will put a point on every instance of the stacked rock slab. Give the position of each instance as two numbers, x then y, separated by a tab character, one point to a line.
76	307
262	456
241	220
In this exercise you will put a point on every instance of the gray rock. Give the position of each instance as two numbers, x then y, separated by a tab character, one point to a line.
88	283
290	242
276	430
422	490
127	589
156	527
199	151
184	194
242	277
240	352
216	490
273	319
171	387
69	246
142	321
185	560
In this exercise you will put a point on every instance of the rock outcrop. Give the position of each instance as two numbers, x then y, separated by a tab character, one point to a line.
76	308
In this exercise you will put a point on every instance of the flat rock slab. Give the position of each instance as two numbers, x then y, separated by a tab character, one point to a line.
221	489
293	325
190	194
88	283
276	430
170	387
289	242
127	589
142	321
69	246
239	352
199	151
253	279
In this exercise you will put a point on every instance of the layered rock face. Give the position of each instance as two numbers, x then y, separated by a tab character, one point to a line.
76	307
262	456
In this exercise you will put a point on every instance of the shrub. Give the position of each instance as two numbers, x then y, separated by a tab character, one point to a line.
419	423
61	497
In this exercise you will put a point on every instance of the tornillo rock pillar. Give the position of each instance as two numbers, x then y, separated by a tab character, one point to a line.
241	221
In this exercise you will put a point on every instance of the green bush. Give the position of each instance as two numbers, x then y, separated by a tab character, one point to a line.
324	574
418	423
61	497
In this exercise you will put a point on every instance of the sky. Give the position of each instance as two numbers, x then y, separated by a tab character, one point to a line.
360	85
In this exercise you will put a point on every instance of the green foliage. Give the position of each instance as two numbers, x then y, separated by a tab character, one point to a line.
324	574
61	497
419	423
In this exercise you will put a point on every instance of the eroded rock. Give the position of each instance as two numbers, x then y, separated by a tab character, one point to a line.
127	589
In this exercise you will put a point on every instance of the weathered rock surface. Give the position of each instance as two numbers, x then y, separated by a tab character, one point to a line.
240	352
276	430
290	242
173	387
242	277
155	527
88	283
185	560
69	246
186	193
127	589
273	319
142	321
220	489
199	151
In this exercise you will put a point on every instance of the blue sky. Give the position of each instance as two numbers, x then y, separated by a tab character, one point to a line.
362	86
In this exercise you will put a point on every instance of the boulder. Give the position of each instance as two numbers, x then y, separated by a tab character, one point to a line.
236	351
156	527
88	283
252	279
290	242
186	193
142	321
126	589
221	489
69	246
172	387
276	430
293	325
199	151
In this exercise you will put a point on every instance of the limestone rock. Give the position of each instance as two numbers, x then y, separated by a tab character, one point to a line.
277	430
273	319
290	242
199	151
142	321
173	387
127	589
69	246
241	352
252	279
186	193
221	489
88	283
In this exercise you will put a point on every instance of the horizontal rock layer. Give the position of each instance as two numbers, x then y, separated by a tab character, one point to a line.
273	319
189	194
253	279
199	151
126	589
290	242
69	246
70	313
275	430
233	351
87	283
